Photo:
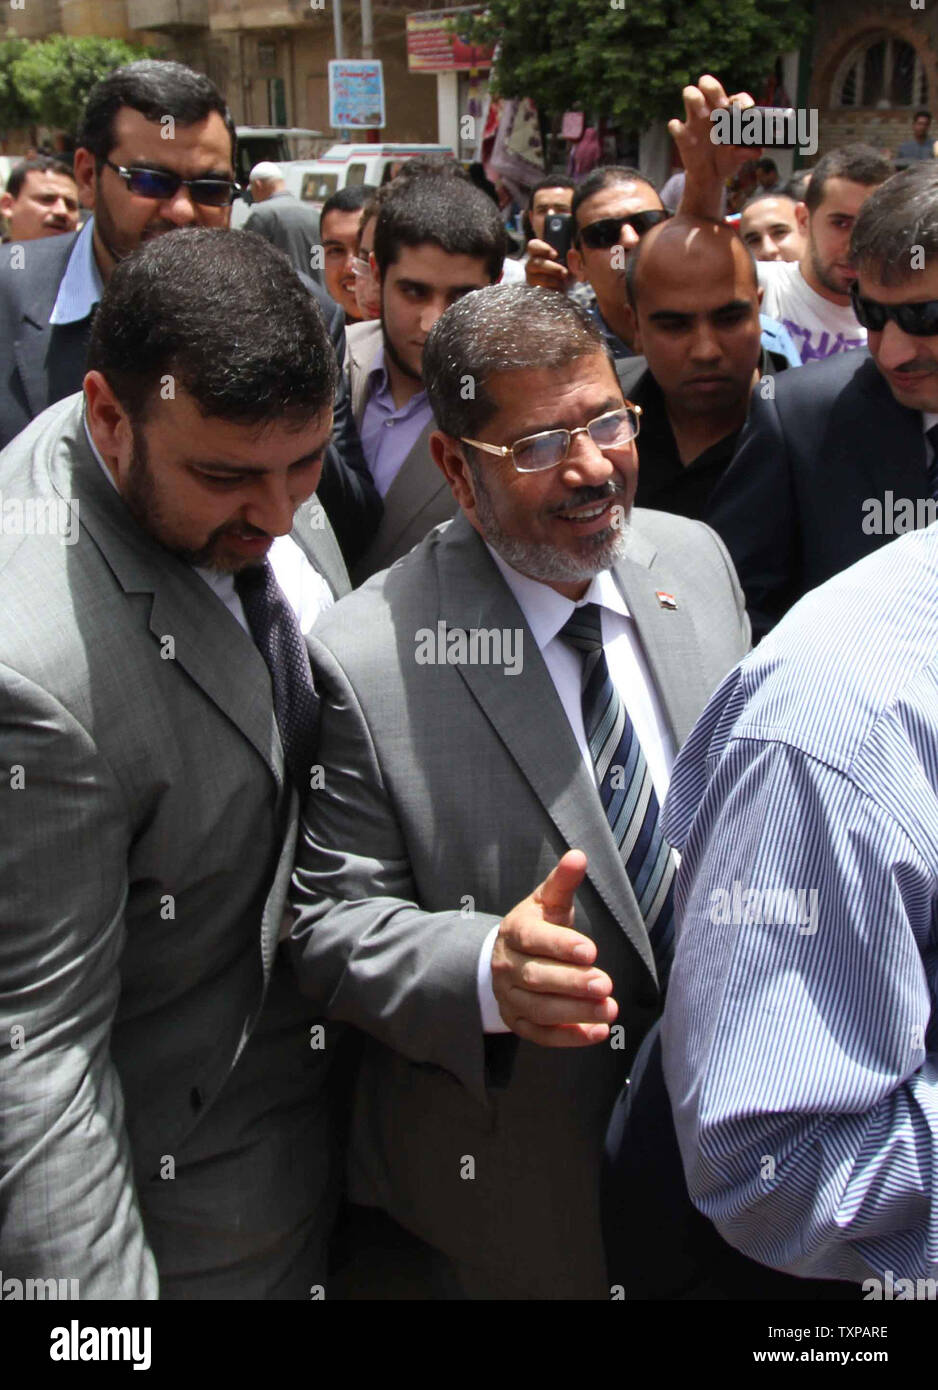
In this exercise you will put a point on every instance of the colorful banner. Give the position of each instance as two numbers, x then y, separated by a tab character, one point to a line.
432	47
356	94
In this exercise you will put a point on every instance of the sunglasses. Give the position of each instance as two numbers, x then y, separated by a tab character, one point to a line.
604	234
536	452
918	320
162	184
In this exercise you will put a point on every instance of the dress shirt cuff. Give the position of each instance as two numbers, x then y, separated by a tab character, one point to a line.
492	1021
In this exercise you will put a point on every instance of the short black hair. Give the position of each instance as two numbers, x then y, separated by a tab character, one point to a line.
856	163
604	176
768	166
449	212
901	215
348	199
224	315
764	194
154	88
39	164
923	112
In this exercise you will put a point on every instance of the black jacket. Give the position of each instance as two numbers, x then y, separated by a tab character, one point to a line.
799	502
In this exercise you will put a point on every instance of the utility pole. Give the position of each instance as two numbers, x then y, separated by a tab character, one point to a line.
368	36
337	27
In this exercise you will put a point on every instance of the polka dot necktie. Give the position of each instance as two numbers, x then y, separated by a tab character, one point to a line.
625	786
278	637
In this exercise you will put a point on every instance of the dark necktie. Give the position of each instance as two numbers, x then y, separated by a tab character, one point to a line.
932	436
278	637
625	787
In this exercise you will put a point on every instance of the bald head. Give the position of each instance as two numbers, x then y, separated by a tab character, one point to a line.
695	295
682	250
266	180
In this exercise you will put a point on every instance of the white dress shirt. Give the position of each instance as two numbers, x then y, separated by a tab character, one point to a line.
545	612
305	589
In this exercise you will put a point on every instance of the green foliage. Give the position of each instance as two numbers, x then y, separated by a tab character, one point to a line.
46	83
629	64
14	113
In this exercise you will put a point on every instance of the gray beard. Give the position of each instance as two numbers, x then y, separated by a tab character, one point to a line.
546	562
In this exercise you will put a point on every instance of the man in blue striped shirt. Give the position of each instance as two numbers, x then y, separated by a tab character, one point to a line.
799	1037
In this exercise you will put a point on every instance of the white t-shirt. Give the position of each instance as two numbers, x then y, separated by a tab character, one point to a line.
818	327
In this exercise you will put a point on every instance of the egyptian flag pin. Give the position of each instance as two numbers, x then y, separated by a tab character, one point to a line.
666	600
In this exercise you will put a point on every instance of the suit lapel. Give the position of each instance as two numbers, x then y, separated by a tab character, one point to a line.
526	714
417	482
667	635
188	621
313	533
362	347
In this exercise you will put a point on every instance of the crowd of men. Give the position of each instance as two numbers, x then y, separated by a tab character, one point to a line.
413	884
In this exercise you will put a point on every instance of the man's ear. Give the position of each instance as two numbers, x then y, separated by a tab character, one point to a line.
108	424
6	204
447	454
86	176
576	264
802	217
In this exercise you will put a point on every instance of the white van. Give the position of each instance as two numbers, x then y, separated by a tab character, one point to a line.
315	180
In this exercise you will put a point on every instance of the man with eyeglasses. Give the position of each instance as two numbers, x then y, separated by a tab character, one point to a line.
500	711
612	208
155	152
842	460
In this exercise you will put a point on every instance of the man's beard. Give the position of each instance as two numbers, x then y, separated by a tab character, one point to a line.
824	276
142	497
549	563
391	351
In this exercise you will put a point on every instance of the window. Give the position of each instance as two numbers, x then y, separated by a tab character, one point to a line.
356	174
882	72
316	188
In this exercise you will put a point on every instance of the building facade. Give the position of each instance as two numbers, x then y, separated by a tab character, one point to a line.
269	58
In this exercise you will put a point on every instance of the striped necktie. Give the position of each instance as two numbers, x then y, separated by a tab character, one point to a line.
277	635
625	786
932	436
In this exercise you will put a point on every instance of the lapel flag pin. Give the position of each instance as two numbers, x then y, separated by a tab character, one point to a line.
666	600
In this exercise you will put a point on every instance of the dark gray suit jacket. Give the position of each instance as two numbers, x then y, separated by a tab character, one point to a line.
39	364
163	1125
290	225
449	792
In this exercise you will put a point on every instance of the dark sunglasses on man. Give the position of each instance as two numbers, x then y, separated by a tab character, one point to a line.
918	319
163	184
605	233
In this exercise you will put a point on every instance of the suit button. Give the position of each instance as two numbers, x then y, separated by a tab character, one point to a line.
196	1098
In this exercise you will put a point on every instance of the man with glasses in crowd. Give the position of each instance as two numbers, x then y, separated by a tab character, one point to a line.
612	208
456	780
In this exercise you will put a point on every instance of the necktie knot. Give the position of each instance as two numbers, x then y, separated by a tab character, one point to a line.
584	628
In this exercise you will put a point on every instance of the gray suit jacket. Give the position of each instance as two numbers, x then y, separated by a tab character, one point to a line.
419	497
163	1082
450	791
290	225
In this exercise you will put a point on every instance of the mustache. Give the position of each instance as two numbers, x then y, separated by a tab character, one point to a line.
915	365
584	495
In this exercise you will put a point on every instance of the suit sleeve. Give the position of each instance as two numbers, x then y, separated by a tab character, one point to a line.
753	509
363	947
346	490
68	1205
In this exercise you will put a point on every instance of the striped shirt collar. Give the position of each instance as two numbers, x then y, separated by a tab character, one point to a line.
81	287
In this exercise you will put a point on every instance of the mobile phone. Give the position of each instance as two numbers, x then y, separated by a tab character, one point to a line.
558	233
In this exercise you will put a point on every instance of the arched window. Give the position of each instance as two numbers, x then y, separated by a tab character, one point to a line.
882	72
